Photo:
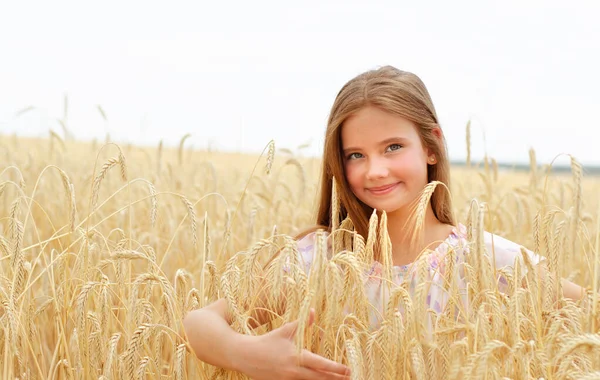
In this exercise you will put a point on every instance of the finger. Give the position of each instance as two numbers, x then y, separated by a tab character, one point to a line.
336	376
319	363
311	316
289	329
309	374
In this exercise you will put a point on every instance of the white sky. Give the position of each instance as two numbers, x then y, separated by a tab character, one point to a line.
237	74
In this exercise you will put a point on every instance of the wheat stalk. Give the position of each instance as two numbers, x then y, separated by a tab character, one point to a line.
68	298
468	136
180	151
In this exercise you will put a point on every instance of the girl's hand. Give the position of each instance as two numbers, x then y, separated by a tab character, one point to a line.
273	356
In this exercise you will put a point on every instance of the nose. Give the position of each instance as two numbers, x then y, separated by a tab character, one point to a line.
377	169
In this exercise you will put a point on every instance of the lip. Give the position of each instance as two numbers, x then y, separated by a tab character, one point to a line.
381	190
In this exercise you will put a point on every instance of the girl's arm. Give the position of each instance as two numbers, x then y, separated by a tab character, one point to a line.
211	336
572	290
569	289
269	356
506	252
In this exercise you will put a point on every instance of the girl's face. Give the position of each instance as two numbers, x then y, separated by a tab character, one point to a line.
384	159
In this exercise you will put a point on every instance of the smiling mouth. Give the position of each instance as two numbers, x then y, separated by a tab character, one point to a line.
382	189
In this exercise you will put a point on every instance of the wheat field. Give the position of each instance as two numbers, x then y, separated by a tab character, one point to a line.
104	248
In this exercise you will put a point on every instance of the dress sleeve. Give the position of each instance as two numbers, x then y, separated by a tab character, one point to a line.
306	250
506	253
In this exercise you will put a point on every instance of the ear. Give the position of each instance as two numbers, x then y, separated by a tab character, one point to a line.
437	132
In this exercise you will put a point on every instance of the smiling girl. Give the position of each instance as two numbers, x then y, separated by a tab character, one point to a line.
383	146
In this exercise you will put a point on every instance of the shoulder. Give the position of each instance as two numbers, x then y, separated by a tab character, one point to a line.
307	245
498	242
456	240
506	251
502	250
309	239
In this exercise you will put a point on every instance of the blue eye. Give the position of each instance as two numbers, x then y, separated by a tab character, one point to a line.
394	147
354	156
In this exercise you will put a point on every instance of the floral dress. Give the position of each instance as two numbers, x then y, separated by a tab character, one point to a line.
504	251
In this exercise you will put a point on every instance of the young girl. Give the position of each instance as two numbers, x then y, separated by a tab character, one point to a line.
383	145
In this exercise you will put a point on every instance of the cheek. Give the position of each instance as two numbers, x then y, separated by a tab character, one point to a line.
411	166
353	176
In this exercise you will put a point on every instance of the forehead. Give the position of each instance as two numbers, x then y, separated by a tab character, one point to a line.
372	125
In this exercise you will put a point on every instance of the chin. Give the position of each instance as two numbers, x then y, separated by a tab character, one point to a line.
387	208
387	205
391	210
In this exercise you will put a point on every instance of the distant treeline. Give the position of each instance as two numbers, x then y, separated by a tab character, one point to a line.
587	169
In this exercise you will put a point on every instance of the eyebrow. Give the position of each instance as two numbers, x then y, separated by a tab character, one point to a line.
383	142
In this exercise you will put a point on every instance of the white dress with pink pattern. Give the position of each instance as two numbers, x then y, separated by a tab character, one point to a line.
504	251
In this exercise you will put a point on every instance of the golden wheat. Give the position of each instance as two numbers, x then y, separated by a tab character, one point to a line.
100	291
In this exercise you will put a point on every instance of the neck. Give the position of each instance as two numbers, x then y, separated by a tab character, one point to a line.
400	229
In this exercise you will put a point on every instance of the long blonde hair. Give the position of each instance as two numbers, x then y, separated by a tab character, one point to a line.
398	92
